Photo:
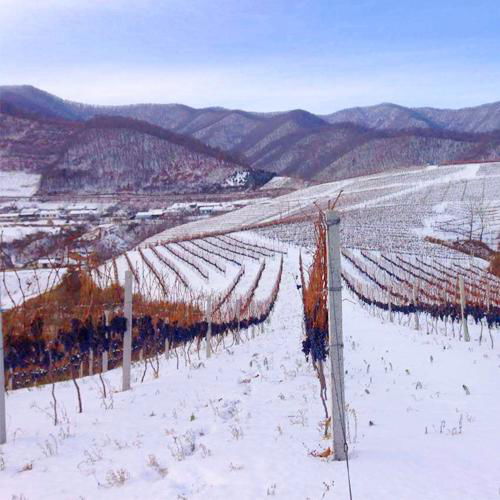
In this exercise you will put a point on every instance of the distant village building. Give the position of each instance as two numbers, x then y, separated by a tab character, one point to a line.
207	210
156	213
55	262
83	213
49	213
9	217
29	213
143	215
181	207
47	263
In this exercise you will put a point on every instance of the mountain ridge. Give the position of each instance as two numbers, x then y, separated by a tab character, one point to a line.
301	144
108	154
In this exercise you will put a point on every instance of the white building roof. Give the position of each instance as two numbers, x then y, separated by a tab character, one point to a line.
45	211
157	211
29	211
86	211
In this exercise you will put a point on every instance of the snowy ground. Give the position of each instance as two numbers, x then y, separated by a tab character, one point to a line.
389	211
16	286
244	423
12	232
20	184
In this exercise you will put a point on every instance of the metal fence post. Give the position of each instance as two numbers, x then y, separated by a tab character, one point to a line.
127	338
336	343
462	309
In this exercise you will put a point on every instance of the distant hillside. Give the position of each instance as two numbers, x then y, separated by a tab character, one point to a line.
298	143
111	154
35	101
485	118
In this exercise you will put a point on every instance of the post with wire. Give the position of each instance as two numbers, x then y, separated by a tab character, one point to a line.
3	427
336	343
209	327
127	338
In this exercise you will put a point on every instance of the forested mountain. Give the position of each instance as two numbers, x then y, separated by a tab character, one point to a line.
485	118
297	143
109	154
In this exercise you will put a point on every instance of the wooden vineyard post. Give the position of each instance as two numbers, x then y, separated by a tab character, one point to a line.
91	361
336	344
127	338
417	322
3	425
209	327
465	326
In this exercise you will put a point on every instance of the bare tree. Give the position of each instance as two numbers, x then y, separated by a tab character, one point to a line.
478	215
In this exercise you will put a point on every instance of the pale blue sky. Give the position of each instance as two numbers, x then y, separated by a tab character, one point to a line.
320	55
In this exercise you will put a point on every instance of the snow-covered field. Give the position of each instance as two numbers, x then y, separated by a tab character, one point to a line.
422	409
18	184
391	211
15	287
12	232
215	282
423	413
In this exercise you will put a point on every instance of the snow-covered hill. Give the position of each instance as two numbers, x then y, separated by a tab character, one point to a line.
18	184
422	412
344	144
392	211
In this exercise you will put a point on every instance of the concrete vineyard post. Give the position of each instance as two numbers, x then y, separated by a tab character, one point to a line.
465	326
415	293
209	327
336	343
3	425
127	339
